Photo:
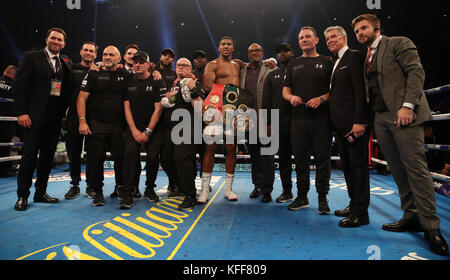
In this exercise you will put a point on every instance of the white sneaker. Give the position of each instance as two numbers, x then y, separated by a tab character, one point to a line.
206	189
230	195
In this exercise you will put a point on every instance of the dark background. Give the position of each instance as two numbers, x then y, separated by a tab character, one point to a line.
187	25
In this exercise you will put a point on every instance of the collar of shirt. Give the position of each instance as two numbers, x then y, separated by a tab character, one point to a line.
376	42
50	54
341	52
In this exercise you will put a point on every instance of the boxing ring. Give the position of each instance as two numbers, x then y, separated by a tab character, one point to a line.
218	230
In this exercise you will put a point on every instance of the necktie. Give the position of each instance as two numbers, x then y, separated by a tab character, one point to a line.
57	64
369	58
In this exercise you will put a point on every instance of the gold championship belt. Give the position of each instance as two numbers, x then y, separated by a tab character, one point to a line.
227	104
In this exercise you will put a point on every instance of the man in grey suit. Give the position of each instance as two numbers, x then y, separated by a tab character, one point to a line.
252	79
394	79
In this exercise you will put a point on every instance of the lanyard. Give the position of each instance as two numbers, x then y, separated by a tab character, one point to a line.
51	64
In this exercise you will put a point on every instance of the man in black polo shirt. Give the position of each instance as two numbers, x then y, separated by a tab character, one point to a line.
306	87
101	116
142	111
88	53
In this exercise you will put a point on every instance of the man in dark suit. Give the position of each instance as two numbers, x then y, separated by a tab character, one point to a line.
43	89
348	112
394	79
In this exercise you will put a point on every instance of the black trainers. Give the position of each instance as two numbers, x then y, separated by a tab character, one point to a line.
116	192
136	193
299	203
323	206
174	191
150	194
73	192
255	193
285	197
188	203
90	192
126	202
98	199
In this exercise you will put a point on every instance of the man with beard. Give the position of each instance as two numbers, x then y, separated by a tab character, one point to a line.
222	70
273	99
101	117
74	142
394	79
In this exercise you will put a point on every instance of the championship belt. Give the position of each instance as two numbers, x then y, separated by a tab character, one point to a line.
227	104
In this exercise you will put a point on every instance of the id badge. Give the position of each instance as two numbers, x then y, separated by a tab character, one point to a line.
55	88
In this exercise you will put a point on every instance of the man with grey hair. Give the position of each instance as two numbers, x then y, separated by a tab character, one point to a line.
349	116
101	117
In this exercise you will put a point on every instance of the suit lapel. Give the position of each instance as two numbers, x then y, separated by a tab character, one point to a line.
46	63
341	62
380	52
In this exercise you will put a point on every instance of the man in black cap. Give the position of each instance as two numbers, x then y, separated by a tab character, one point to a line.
142	111
273	99
200	61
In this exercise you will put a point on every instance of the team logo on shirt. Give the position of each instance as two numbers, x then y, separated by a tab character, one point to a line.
149	88
319	66
119	79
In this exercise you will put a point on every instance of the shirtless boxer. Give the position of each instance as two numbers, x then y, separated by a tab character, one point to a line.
222	70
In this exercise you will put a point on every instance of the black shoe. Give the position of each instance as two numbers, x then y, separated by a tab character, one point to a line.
21	204
323	206
137	193
299	203
116	192
403	225
354	220
90	192
285	197
150	194
437	242
73	192
266	197
174	191
45	198
98	199
255	193
342	212
188	203
127	202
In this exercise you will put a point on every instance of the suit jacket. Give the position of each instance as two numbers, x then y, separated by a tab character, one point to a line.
32	85
401	77
261	78
347	95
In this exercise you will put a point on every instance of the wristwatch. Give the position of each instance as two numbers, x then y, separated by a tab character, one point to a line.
148	132
321	99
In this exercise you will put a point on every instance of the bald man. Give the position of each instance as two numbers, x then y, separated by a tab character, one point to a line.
187	90
252	78
101	117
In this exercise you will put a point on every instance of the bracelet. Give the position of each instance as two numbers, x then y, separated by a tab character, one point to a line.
82	118
148	132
